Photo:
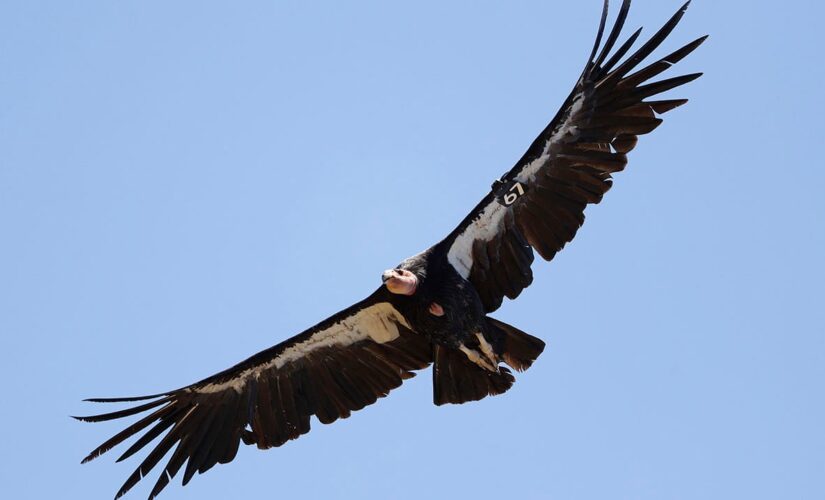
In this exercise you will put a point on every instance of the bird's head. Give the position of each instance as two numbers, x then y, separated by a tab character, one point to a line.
400	281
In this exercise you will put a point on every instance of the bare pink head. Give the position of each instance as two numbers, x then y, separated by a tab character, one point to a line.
400	281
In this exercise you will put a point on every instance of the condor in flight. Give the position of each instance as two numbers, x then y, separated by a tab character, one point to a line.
433	307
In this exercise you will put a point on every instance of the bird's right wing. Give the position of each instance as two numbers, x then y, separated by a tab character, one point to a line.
539	204
338	366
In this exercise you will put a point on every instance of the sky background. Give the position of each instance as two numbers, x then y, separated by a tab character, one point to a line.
180	181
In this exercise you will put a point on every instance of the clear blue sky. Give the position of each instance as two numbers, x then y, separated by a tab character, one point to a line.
179	180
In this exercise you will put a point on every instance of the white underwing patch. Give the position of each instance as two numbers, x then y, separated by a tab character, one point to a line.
485	227
488	223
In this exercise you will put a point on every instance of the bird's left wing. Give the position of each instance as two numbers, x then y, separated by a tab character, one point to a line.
540	203
338	366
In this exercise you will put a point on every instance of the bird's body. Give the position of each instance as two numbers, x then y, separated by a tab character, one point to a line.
439	283
448	311
433	308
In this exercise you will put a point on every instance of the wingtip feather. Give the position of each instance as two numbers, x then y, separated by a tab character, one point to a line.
128	399
599	33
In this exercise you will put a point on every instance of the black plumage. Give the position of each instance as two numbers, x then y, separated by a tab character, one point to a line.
433	308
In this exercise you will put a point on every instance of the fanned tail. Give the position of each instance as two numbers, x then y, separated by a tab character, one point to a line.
458	379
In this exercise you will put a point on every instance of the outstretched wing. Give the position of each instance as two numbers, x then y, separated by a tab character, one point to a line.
540	203
339	366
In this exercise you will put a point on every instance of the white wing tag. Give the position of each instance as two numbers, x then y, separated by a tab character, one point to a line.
509	196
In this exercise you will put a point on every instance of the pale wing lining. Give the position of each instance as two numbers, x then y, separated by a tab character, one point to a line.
378	322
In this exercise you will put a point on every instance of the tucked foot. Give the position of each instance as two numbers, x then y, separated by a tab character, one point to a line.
479	359
436	309
487	349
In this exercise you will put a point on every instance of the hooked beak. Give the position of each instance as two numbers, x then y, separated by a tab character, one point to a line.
387	275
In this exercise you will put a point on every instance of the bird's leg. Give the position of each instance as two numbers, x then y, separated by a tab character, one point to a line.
487	349
436	309
478	359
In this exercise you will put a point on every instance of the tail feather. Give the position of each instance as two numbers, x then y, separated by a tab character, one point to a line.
518	349
457	380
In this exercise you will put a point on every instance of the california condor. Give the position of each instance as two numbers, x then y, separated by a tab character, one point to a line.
433	307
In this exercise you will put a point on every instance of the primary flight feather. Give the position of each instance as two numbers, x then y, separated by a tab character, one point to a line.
433	307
